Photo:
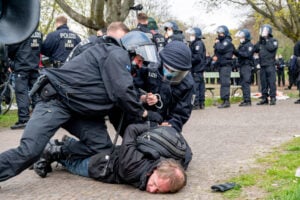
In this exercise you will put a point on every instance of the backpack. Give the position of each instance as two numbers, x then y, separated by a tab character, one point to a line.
162	141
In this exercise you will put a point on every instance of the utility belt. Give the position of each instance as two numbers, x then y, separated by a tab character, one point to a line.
44	88
48	92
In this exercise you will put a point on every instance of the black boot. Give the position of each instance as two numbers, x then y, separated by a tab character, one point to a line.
264	101
225	104
51	153
273	101
297	102
201	106
245	103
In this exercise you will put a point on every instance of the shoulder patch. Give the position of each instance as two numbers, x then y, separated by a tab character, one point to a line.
250	48
197	48
275	42
225	43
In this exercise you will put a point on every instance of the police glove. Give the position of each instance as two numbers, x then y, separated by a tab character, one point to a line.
154	117
262	40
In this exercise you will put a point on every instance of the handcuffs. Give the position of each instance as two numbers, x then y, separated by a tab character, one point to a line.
159	104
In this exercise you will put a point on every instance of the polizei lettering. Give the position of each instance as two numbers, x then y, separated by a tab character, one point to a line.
67	35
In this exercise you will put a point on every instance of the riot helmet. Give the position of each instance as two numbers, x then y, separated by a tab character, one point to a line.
243	35
138	43
171	25
176	60
194	33
265	30
223	29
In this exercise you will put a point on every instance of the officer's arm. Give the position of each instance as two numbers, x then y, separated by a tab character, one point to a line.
181	111
247	53
197	54
119	83
272	45
223	47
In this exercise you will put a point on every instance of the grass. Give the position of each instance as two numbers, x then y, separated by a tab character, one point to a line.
276	176
8	119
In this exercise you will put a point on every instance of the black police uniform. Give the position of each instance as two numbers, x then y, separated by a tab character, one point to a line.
198	66
280	71
245	53
224	52
267	49
85	86
59	44
176	100
25	58
297	54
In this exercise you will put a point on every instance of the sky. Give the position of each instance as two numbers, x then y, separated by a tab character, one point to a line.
192	14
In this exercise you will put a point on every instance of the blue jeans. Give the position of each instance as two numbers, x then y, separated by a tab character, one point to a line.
79	167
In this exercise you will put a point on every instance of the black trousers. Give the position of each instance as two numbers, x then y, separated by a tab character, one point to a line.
245	80
268	81
24	81
46	119
199	88
225	72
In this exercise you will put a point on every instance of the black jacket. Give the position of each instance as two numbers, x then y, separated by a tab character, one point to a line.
177	99
96	81
297	49
198	56
25	56
127	164
224	51
245	53
60	43
267	49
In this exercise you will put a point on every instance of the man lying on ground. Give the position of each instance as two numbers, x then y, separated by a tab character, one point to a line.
133	162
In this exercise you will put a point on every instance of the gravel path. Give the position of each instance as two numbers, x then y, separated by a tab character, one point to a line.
225	143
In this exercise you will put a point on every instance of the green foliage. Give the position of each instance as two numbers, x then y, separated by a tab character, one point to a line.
8	119
278	177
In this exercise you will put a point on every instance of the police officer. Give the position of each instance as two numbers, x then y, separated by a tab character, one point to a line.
172	32
115	30
172	80
297	59
267	48
224	49
280	70
24	62
60	43
158	38
245	53
198	64
84	87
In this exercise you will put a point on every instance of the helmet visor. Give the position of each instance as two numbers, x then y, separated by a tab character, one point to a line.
264	31
148	52
240	34
173	75
220	30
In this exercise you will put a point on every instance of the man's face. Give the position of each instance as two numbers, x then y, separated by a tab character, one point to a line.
138	60
157	184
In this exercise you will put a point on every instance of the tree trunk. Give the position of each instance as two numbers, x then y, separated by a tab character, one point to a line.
115	10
